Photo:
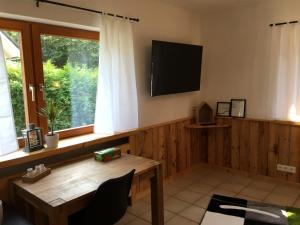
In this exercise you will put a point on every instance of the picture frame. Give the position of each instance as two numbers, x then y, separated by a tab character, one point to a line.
223	109
238	108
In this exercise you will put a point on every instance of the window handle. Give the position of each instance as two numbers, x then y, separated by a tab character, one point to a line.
32	90
42	89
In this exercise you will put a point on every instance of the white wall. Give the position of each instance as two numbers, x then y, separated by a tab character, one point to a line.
236	54
159	21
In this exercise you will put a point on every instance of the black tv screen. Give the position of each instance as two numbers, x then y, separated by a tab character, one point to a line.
175	68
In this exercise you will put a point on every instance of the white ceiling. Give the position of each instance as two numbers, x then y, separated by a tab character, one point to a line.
196	5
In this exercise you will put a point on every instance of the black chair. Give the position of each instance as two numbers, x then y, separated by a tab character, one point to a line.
11	217
108	205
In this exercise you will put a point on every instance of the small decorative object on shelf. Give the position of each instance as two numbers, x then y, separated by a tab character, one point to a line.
109	154
36	174
238	108
51	112
223	108
33	138
203	114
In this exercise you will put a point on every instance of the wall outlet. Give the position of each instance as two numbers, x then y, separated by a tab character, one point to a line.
286	168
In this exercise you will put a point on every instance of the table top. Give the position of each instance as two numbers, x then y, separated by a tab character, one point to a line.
72	181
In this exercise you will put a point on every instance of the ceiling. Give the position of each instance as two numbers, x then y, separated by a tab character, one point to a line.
196	5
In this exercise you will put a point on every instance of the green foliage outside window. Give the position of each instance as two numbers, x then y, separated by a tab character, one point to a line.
73	88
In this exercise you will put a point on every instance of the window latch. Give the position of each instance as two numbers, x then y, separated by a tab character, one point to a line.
42	89
32	90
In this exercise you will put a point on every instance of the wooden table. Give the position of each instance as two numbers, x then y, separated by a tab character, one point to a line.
69	188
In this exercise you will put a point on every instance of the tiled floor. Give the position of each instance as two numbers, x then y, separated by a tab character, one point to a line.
186	197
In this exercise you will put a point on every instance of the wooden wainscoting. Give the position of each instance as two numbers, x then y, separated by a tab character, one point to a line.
255	146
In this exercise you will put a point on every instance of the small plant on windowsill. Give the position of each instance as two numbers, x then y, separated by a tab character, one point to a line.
51	113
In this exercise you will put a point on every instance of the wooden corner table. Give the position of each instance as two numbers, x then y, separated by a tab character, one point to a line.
69	188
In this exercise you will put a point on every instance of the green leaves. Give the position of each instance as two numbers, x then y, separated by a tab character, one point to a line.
51	112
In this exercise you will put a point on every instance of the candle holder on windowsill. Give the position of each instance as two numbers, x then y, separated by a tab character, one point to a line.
33	138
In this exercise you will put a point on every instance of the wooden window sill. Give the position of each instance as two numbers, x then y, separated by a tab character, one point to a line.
65	145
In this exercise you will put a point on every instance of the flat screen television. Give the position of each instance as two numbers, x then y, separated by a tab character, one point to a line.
175	68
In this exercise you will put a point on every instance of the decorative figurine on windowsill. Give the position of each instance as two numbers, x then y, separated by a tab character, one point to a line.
51	112
33	138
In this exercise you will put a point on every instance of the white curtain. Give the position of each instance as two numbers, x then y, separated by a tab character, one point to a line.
284	77
8	136
116	104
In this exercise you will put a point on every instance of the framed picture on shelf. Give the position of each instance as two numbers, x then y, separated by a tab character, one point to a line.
238	108
223	109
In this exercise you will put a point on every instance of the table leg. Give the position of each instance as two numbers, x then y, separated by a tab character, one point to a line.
157	202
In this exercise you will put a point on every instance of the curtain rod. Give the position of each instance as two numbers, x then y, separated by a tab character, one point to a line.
283	23
84	9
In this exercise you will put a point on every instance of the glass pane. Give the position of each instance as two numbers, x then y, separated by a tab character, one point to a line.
11	47
70	74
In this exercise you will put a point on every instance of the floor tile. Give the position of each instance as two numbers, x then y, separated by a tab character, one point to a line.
179	220
203	202
254	193
297	203
182	182
139	207
148	198
212	180
188	196
286	189
175	205
232	187
194	176
201	188
282	200
138	221
219	191
167	216
247	198
193	213
263	183
243	180
170	189
126	219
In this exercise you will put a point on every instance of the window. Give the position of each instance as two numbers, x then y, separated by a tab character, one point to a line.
70	68
51	62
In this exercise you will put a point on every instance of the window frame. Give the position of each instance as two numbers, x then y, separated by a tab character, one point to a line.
32	67
39	29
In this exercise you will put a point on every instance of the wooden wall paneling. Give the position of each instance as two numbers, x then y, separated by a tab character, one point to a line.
172	150
244	145
263	145
155	143
227	148
147	146
132	144
187	137
139	143
220	146
203	145
235	144
283	132
294	154
181	147
273	150
254	146
211	146
162	149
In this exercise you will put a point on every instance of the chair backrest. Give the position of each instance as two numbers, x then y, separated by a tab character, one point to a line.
110	201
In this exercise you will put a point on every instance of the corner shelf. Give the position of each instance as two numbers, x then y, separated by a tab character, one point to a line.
196	126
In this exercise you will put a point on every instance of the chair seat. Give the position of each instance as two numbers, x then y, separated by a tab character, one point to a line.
11	217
